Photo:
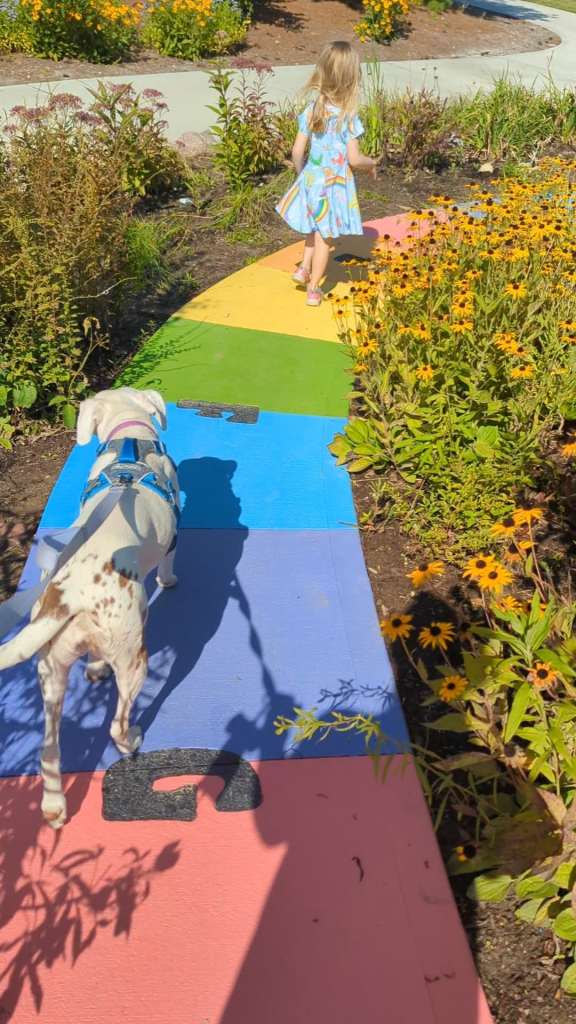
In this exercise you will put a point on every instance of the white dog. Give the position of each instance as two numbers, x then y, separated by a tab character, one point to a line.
95	603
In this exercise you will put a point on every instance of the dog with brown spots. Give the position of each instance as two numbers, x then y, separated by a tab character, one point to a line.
96	603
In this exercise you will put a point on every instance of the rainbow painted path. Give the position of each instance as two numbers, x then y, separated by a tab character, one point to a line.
225	876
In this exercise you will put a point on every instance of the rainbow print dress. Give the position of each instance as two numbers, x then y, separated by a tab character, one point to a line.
323	197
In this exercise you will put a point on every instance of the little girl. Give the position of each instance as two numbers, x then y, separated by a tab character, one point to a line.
322	203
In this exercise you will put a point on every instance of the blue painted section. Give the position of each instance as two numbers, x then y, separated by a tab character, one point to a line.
260	623
282	474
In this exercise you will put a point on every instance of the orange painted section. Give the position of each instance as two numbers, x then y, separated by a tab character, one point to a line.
327	903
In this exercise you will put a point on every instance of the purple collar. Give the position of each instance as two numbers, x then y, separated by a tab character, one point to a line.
129	423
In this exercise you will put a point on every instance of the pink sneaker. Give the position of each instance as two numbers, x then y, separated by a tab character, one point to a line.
314	297
301	276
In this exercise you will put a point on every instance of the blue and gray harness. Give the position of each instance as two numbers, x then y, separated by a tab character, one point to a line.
129	468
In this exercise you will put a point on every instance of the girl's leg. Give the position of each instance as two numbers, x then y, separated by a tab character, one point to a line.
308	252
319	261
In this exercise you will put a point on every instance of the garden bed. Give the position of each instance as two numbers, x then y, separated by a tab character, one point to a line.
288	32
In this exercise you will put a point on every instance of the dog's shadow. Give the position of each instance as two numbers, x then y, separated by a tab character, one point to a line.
182	621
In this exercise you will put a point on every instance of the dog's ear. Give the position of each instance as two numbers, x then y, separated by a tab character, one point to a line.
153	403
87	421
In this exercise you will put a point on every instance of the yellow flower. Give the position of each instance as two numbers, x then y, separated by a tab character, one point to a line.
425	572
495	578
397	627
542	675
437	634
569	449
425	372
518	550
465	852
520	372
516	290
525	516
452	688
509	604
475	567
507	528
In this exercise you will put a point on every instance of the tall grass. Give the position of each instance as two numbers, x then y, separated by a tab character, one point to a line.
509	122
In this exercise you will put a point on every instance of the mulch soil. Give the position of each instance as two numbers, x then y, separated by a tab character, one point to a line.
517	964
288	32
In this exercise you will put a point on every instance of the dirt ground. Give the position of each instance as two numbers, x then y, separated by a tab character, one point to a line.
517	964
294	31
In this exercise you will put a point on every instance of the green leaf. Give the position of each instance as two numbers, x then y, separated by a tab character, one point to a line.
565	925
568	980
532	888
359	465
564	876
516	714
528	911
68	415
3	396
24	395
452	722
490	888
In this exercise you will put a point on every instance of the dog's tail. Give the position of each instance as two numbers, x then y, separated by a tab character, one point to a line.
52	617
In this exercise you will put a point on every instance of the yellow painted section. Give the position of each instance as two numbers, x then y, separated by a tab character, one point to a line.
261	298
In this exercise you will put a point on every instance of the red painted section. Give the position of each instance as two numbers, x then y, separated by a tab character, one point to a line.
312	908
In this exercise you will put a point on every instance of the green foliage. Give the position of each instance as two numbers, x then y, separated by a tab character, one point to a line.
14	31
508	123
102	31
65	279
250	134
190	29
130	127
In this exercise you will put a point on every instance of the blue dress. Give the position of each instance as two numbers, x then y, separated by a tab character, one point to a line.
323	197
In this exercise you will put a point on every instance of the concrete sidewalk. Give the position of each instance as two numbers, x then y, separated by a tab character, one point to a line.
188	92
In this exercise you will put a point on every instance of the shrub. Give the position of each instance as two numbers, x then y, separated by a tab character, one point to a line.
194	28
381	19
251	135
64	279
98	30
130	127
465	358
14	30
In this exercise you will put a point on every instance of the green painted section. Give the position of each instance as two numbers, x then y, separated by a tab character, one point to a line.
277	372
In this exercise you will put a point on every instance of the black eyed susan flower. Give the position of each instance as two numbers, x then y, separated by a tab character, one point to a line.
436	635
397	627
425	372
569	450
452	688
465	852
509	604
522	372
518	550
526	516
495	578
516	290
476	566
542	675
425	572
507	528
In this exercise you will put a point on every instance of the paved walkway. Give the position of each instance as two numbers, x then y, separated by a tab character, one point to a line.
188	93
320	895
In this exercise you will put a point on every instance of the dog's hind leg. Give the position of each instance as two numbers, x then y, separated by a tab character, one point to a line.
53	676
131	671
97	671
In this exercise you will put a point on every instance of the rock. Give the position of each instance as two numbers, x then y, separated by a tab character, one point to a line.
486	168
192	144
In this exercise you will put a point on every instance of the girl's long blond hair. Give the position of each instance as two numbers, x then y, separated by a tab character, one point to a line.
336	81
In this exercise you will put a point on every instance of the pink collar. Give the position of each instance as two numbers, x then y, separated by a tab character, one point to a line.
129	423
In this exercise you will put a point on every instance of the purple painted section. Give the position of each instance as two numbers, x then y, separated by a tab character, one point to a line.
261	622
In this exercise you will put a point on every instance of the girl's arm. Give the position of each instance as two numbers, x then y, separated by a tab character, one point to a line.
299	151
357	159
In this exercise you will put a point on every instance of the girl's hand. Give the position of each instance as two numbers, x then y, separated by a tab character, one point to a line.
375	167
